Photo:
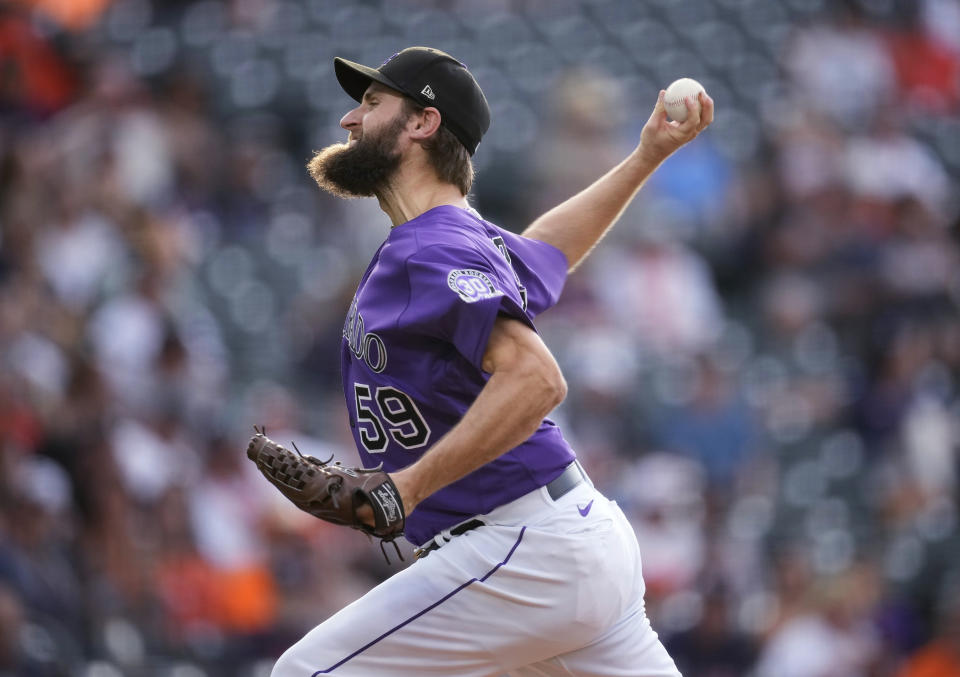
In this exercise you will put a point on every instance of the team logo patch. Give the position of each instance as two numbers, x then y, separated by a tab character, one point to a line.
472	285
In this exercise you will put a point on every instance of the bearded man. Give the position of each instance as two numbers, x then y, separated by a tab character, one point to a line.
523	567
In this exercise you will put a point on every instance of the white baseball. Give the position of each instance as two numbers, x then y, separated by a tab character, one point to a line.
676	92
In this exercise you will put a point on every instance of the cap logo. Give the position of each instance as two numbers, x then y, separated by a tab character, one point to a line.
428	92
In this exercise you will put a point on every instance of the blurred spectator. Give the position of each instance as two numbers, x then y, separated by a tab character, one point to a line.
77	255
833	637
712	648
34	79
888	165
662	496
660	292
931	438
585	120
716	427
841	68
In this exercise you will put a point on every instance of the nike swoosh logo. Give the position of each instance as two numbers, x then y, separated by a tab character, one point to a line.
584	511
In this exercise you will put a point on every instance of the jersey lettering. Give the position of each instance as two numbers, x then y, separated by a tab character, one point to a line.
365	346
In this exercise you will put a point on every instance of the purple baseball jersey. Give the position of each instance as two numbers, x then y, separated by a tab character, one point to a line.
413	343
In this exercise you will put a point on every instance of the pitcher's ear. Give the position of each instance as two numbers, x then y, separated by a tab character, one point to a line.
427	123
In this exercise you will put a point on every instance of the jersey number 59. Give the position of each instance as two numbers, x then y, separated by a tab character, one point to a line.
388	413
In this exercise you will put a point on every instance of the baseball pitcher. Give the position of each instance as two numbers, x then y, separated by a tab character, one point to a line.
523	567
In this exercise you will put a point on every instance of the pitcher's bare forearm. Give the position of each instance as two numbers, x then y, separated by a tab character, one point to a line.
578	224
524	386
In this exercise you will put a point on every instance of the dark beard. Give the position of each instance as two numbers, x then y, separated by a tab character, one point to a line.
361	170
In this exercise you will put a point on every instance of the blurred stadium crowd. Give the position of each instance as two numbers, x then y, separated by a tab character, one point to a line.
763	357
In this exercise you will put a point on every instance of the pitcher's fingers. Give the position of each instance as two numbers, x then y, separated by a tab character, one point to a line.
693	113
706	115
659	111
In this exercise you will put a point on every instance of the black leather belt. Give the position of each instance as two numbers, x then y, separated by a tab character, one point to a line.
572	476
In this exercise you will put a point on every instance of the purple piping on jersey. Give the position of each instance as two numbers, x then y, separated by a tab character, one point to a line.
418	615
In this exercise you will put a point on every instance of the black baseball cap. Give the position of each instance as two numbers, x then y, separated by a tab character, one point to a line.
431	78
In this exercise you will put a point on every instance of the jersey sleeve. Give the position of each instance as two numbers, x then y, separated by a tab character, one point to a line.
540	269
456	294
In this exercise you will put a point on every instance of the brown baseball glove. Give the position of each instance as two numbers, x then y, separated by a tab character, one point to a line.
331	492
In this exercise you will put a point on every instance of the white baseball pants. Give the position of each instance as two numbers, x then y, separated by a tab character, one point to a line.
546	589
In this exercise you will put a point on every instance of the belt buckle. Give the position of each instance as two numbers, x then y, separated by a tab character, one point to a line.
431	545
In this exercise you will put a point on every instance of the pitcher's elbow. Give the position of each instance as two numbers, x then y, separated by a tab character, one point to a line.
561	390
556	389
